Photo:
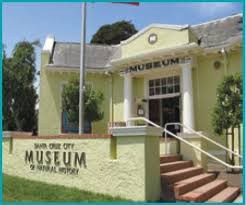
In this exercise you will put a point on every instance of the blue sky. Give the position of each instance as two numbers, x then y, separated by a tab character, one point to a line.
31	21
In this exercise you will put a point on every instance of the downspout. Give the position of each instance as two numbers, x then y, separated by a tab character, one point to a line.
225	60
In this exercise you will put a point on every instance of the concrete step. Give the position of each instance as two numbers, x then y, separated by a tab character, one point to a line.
204	192
169	158
239	199
226	195
174	176
191	183
173	166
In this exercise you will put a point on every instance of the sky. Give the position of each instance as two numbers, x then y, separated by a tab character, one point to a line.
34	21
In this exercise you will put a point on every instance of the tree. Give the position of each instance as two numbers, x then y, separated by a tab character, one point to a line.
112	34
8	79
92	101
227	113
18	90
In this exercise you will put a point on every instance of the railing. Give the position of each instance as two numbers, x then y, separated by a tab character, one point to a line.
188	143
201	135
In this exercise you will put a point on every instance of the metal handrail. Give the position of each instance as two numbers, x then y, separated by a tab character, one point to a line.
203	136
144	119
186	142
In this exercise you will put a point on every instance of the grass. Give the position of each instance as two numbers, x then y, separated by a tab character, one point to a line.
16	189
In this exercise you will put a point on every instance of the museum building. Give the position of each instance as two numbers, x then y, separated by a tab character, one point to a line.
162	74
166	73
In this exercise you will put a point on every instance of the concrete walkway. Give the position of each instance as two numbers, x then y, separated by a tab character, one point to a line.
234	179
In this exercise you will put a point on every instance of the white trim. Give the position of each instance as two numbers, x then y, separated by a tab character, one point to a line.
49	44
136	131
57	68
216	20
171	95
144	30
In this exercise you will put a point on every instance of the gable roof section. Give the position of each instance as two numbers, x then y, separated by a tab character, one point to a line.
98	57
164	26
219	32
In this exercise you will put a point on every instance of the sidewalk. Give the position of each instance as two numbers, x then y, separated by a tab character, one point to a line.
234	179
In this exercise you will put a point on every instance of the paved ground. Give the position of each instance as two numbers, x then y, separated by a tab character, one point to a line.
233	178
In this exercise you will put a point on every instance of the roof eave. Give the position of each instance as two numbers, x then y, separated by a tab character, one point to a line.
62	68
230	44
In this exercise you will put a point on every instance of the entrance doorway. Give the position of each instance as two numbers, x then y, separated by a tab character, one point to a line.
162	111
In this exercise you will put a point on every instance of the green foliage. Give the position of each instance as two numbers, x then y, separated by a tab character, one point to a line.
92	101
19	95
112	34
8	82
228	109
16	189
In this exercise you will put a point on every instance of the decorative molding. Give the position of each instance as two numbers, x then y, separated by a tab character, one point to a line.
136	131
152	38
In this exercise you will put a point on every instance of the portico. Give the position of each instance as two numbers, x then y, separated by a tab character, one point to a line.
173	79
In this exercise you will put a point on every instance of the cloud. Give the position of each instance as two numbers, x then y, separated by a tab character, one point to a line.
211	9
215	8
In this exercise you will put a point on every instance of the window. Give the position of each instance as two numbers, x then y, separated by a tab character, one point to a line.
163	86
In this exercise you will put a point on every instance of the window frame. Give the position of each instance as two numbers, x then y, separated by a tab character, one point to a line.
156	86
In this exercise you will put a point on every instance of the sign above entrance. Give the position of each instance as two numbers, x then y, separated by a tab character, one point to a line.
157	64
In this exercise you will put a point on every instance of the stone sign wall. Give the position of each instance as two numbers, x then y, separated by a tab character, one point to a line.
98	163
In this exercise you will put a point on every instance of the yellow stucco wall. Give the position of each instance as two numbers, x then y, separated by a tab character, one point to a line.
172	146
49	120
205	82
166	38
134	174
188	153
118	97
152	167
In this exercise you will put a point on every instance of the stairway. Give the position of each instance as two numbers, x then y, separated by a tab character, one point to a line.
181	181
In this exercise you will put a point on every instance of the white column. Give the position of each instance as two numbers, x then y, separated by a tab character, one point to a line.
187	96
127	96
